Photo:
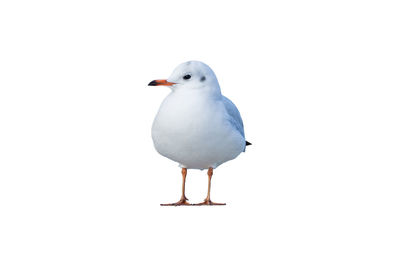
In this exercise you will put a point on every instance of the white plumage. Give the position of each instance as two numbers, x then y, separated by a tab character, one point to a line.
196	125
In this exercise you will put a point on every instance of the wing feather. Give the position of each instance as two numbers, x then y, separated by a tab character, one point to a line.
234	115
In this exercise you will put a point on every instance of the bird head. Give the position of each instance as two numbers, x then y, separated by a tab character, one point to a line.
191	75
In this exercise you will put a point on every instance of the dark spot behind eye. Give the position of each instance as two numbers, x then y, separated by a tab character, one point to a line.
203	79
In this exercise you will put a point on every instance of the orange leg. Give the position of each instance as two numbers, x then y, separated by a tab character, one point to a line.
208	201
182	201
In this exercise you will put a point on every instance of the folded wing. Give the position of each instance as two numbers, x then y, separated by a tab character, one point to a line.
234	115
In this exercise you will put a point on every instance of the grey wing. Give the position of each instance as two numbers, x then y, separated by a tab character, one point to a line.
234	115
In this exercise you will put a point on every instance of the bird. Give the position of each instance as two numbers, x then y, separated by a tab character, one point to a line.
196	126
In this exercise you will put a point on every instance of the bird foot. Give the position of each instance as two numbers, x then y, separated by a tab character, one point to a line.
181	202
208	202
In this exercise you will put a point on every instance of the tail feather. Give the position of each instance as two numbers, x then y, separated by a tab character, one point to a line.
248	143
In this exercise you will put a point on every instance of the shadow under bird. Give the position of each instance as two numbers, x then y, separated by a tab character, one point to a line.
196	125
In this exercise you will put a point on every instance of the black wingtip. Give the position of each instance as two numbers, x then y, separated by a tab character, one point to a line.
248	143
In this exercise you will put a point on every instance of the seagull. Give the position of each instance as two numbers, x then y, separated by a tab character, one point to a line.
196	126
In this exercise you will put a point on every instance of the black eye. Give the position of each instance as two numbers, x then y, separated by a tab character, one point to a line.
187	77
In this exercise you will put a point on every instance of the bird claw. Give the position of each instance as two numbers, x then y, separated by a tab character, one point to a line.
208	202
181	202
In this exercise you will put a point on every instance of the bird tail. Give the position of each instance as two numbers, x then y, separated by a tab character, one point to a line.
248	143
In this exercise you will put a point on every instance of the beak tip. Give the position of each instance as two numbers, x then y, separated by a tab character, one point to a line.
152	83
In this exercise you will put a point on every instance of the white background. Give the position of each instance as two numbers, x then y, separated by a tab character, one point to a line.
317	83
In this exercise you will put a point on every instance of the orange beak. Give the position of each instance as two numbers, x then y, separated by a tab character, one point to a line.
160	82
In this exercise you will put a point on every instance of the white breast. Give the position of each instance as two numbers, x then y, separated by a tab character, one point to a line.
194	129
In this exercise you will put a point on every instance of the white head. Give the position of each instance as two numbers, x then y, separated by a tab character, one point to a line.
191	75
